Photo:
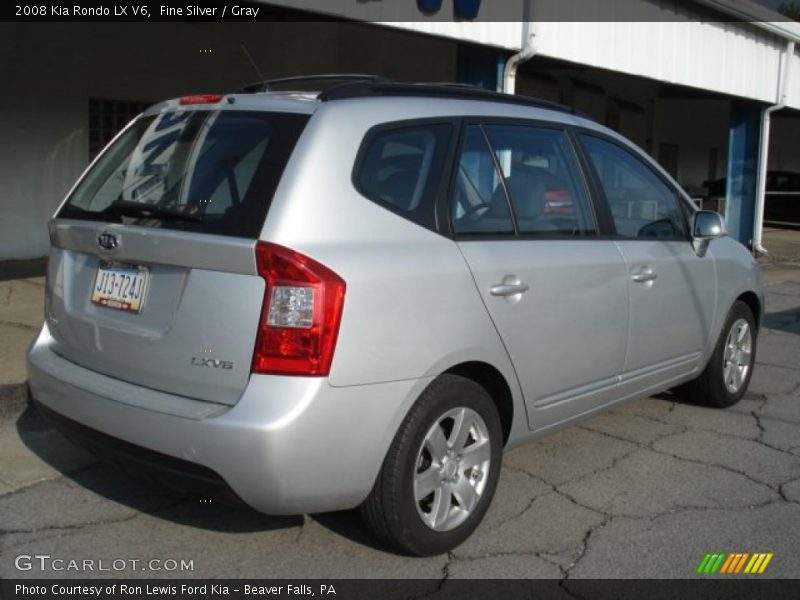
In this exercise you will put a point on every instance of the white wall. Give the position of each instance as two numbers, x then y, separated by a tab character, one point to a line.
49	72
46	145
793	82
739	60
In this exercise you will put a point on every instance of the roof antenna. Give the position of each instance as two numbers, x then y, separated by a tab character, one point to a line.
261	77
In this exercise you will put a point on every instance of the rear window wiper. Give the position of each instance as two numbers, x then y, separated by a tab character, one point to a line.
129	208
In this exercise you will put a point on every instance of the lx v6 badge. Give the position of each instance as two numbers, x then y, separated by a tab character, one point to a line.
211	362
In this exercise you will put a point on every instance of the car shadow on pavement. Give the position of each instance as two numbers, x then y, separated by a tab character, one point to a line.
348	524
141	494
22	269
785	320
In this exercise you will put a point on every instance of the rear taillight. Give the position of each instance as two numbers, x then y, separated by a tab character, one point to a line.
300	317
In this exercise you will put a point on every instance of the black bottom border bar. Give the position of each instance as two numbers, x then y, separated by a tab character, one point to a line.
711	588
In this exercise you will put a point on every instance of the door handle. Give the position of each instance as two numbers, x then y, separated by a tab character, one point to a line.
508	289
645	275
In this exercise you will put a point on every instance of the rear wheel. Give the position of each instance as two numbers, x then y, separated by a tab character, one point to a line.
727	375
439	475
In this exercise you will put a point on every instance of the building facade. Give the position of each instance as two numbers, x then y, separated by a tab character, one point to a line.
682	79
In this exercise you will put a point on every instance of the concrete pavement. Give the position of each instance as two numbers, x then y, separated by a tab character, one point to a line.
21	309
644	491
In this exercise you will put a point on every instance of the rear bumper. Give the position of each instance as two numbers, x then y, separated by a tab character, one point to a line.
290	445
173	473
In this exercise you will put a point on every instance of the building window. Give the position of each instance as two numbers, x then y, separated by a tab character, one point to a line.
107	118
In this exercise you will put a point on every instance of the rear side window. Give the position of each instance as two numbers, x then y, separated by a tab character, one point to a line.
642	205
399	169
206	171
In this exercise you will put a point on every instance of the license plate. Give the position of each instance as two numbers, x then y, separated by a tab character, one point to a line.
120	286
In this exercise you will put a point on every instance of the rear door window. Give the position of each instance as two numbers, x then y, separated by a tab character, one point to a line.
542	179
400	167
207	171
519	179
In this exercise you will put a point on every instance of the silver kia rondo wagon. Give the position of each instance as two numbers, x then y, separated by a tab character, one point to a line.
361	297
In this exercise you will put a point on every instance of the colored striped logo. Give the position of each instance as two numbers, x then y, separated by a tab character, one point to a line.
735	563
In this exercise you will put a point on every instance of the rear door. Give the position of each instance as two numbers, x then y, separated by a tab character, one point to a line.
152	275
672	290
556	292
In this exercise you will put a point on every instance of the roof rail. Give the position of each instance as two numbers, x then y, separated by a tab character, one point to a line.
267	85
366	89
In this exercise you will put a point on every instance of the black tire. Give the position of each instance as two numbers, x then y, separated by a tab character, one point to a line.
391	511
710	389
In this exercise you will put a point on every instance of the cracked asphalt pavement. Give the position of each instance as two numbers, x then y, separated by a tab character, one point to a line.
643	491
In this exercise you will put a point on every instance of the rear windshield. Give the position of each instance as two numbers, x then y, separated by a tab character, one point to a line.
207	171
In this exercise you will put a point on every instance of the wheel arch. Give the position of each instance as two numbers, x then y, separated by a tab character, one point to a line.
752	300
493	381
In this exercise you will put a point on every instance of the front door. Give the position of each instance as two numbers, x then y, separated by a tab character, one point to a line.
671	289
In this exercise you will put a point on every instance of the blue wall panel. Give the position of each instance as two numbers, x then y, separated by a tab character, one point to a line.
481	66
742	188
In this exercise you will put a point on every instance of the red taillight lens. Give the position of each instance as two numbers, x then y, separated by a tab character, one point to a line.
300	317
201	99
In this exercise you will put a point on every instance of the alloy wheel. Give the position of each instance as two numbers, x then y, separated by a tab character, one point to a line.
452	469
737	355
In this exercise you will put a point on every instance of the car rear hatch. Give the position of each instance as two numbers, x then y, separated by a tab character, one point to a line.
152	277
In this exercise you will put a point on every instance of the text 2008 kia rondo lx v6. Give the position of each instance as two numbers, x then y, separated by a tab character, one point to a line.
361	297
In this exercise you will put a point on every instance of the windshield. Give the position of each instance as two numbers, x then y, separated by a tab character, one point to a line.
209	171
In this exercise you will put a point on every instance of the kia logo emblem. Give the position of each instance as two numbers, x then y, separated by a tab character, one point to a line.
107	241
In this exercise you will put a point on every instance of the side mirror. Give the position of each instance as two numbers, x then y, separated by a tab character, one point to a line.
706	226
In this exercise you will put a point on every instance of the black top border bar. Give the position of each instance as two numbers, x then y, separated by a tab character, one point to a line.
433	11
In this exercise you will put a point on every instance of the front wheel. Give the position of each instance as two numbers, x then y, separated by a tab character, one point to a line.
727	375
440	473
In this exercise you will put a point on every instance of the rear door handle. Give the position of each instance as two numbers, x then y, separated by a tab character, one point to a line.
645	275
508	289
